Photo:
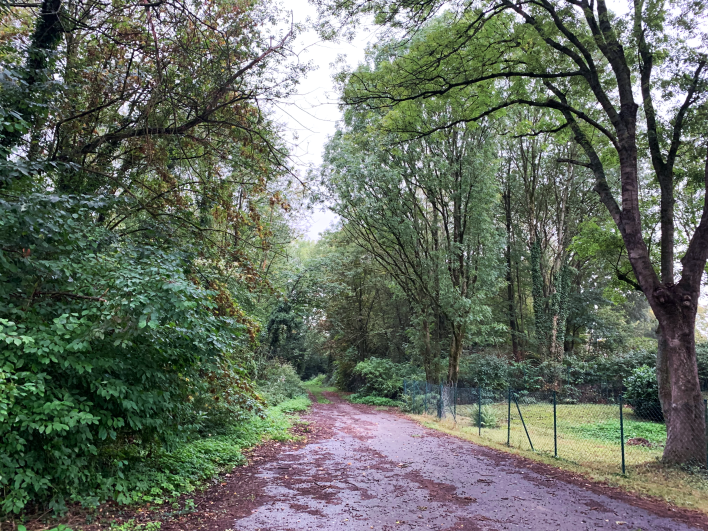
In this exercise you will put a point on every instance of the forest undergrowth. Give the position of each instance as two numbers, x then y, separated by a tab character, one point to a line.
162	482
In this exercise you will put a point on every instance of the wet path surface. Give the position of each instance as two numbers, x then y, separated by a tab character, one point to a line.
376	470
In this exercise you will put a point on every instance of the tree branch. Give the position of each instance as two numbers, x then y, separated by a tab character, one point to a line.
70	295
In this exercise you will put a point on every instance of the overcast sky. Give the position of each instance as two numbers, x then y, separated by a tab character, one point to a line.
312	113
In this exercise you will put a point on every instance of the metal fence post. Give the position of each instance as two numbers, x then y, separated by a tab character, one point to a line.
524	424
555	428
508	421
622	432
440	402
479	411
454	402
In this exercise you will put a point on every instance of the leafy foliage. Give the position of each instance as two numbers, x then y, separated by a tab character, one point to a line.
381	377
279	382
107	343
488	417
371	400
158	476
139	185
643	394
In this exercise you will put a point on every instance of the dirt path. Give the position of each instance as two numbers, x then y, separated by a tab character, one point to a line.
364	469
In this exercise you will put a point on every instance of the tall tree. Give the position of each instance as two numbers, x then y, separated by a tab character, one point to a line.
589	65
424	209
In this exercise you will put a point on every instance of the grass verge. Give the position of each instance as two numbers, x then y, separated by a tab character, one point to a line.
317	387
678	486
166	475
160	478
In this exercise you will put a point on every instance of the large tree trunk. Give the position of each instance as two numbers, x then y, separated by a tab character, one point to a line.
662	375
453	371
681	399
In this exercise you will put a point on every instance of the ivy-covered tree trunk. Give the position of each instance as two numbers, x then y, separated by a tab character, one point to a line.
45	40
559	311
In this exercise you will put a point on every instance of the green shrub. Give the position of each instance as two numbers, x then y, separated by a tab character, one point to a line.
280	382
294	405
316	381
643	394
104	345
702	359
620	366
484	370
374	400
165	474
130	525
381	377
343	376
488	418
418	403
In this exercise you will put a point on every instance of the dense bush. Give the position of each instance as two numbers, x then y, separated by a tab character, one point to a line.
493	372
163	474
484	370
374	400
702	358
643	393
381	377
620	366
106	346
316	381
280	382
418	403
343	374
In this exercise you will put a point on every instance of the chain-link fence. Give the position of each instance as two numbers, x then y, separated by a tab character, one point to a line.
591	425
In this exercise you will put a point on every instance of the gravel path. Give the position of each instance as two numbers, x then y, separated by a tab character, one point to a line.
376	470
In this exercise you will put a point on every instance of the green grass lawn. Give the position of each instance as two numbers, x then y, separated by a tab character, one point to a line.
588	434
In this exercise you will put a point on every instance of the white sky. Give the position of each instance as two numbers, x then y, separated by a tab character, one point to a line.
311	115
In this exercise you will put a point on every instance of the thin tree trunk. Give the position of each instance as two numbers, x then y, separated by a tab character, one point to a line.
513	328
453	372
428	361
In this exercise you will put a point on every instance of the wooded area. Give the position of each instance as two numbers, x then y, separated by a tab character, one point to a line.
521	189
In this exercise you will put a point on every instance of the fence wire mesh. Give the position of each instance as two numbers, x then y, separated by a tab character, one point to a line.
589	425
